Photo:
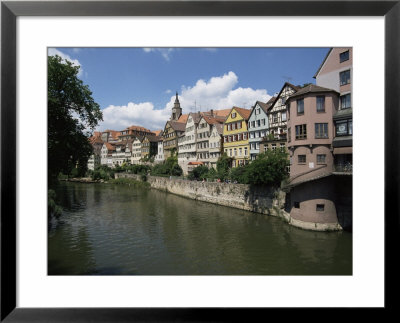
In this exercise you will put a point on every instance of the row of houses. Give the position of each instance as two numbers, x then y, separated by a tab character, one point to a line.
312	123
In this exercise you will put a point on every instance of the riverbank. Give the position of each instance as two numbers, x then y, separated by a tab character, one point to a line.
266	200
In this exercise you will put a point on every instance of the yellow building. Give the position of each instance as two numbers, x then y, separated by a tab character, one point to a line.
236	140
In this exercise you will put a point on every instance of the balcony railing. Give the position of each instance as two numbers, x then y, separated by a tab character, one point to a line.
343	168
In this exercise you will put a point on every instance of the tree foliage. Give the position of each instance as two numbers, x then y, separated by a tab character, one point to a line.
223	166
72	116
267	168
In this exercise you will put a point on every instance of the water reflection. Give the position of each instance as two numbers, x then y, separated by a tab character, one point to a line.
121	230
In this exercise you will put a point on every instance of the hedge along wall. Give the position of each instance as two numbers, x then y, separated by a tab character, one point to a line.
261	199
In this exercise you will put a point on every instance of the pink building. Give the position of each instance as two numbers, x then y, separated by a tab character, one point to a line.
336	72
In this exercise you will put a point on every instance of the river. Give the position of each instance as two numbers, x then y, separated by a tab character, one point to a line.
109	229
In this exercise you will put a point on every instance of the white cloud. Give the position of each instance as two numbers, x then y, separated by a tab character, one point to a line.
75	62
165	52
217	93
168	91
141	114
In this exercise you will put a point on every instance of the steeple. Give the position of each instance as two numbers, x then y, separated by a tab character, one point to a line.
176	110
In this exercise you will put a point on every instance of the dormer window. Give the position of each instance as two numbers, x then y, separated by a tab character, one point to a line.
233	115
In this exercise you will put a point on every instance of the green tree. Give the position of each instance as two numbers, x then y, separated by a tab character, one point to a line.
268	168
72	116
223	165
198	172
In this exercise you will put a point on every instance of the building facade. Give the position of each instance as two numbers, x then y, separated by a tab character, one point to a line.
336	72
310	136
258	126
235	133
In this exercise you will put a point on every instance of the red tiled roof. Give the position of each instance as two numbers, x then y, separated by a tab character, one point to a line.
245	113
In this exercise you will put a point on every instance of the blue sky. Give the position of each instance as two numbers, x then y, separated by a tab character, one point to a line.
136	86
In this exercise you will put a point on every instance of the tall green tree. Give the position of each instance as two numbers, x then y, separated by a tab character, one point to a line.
72	116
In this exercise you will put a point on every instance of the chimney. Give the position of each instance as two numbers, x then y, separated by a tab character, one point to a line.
212	112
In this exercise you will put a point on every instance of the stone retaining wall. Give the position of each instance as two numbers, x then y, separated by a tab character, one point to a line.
263	199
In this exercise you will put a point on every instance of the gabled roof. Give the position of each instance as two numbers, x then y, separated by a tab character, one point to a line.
245	113
138	128
212	120
219	127
323	62
153	138
311	88
294	87
109	146
178	126
157	132
140	138
182	118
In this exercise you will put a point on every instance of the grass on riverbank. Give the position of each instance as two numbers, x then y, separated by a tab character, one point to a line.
129	181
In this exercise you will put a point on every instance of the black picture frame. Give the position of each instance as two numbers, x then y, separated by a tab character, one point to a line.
10	10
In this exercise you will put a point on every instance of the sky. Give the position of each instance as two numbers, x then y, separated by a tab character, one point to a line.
137	86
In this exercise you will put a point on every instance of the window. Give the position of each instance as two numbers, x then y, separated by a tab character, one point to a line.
320	207
257	134
262	134
249	125
321	159
284	116
245	136
258	111
233	115
251	135
282	147
239	125
301	131
257	145
245	151
344	77
321	130
266	148
300	106
240	151
263	122
296	205
321	103
301	159
235	150
283	100
258	123
344	56
273	147
253	124
275	117
345	101
344	128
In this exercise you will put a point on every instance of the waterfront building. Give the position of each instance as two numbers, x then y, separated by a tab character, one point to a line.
110	136
173	129
149	146
187	142
160	151
132	132
119	154
96	142
128	150
258	126
310	135
216	143
277	112
136	150
336	72
236	142
106	154
204	135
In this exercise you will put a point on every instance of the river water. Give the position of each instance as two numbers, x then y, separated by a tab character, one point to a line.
109	229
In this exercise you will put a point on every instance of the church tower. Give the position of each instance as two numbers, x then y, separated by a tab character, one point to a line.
176	110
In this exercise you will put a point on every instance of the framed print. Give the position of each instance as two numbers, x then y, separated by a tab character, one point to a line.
369	29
